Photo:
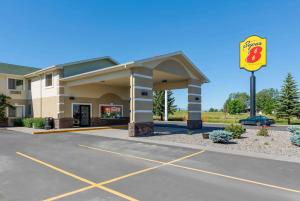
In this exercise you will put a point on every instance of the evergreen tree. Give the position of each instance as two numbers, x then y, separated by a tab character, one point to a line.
159	103
3	105
288	104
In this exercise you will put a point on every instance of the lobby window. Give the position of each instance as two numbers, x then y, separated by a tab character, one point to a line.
49	80
17	111
15	84
111	111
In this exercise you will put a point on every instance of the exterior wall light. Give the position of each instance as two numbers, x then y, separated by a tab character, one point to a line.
144	93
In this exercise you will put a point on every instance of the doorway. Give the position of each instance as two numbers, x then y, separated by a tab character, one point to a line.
81	115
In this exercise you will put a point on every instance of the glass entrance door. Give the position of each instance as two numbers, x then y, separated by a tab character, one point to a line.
85	115
81	115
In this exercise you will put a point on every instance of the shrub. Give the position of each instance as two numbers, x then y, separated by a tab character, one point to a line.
28	122
263	131
295	139
190	132
293	129
38	123
220	136
176	118
18	122
236	130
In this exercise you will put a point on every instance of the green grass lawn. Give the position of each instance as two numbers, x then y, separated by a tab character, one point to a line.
220	117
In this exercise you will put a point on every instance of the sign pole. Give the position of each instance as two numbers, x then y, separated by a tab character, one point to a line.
252	95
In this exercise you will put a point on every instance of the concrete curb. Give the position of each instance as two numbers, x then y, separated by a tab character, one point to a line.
78	129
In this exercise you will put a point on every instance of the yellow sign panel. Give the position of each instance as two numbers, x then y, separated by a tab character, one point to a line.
253	53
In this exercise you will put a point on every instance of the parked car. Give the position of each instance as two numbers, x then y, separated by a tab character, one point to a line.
258	121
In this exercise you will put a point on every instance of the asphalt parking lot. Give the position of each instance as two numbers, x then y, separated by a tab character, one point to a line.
86	167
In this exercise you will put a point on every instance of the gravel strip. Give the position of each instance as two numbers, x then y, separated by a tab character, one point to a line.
278	143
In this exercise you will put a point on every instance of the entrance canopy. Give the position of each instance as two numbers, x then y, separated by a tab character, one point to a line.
138	79
170	71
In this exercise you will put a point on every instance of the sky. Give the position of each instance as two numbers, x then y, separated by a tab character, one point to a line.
43	33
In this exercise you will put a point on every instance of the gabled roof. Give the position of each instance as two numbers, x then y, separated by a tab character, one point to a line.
178	53
16	69
87	60
138	63
61	66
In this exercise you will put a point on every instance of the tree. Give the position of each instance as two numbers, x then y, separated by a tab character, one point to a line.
159	103
236	103
235	106
266	100
213	109
3	105
288	104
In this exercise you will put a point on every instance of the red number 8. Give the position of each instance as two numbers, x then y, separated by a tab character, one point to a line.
254	54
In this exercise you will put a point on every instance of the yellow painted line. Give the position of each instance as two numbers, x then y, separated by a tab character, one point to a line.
237	178
121	154
79	129
199	170
144	170
127	175
57	169
69	193
149	169
78	178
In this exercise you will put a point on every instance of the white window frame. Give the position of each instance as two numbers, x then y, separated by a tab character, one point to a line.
99	108
15	79
24	110
47	87
90	104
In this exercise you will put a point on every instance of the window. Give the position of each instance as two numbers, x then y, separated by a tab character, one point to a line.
29	85
111	111
15	84
29	110
18	111
49	80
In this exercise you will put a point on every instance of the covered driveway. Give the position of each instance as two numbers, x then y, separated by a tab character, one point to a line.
134	82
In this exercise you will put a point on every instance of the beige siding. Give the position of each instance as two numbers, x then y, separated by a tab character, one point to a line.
108	99
194	91
141	109
45	107
96	91
194	116
143	117
4	87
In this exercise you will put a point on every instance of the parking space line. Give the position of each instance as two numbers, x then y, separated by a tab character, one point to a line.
237	178
198	170
93	184
69	193
121	154
130	174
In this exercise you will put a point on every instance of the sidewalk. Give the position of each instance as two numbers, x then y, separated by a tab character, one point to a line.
64	130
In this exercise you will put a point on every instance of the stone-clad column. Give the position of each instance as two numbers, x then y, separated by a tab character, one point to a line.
194	104
141	104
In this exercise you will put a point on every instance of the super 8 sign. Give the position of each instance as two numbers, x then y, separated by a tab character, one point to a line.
253	53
